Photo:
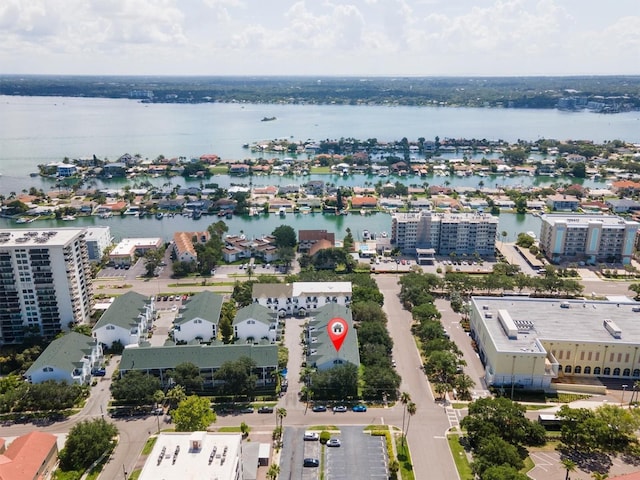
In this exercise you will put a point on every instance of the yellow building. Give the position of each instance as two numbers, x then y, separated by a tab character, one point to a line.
530	342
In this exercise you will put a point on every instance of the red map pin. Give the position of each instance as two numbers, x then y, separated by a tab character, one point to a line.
337	328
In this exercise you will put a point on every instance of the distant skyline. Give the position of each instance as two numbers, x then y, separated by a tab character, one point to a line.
320	37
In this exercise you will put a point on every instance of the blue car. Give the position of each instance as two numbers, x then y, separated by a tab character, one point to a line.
359	408
98	372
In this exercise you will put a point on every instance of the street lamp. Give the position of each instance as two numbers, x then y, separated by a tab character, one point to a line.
624	388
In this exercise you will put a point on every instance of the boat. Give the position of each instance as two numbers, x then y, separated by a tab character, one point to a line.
197	214
383	234
106	215
305	210
268	119
363	212
34	174
229	215
282	211
159	215
24	220
68	218
366	235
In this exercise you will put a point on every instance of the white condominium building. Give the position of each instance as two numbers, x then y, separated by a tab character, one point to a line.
589	238
445	232
45	282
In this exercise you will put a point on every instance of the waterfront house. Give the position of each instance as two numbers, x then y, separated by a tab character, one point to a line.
622	205
124	253
239	169
184	245
625	187
307	238
560	202
198	318
255	322
115	169
126	320
66	170
364	201
171	204
69	358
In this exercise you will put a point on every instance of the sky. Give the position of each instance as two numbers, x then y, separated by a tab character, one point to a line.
318	37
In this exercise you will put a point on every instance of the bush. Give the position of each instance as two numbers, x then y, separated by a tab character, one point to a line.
324	437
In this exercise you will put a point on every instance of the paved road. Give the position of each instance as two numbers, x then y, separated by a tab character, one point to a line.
429	449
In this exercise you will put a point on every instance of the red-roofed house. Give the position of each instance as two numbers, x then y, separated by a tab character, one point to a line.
364	202
29	457
184	244
625	186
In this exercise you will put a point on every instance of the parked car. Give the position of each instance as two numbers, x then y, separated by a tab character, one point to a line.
359	408
99	372
311	462
311	436
333	442
265	409
319	408
157	411
340	408
247	410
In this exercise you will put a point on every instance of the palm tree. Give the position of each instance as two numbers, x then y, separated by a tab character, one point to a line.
411	410
569	465
273	472
464	383
599	476
504	235
405	398
282	413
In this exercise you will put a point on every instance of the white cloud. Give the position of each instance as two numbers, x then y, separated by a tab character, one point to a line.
421	37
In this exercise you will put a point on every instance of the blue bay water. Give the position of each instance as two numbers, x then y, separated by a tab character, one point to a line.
37	130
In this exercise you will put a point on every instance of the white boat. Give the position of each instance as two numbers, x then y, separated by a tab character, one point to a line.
366	235
68	218
106	215
383	234
282	211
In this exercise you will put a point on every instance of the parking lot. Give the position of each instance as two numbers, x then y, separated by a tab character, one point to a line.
359	456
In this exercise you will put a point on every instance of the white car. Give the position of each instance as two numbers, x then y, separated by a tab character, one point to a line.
334	442
311	436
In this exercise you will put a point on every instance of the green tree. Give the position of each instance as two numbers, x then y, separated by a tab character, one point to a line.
635	288
227	316
273	472
193	414
411	410
176	395
337	383
503	472
281	413
286	255
569	465
495	451
152	260
238	376
188	375
405	398
86	442
135	388
285	236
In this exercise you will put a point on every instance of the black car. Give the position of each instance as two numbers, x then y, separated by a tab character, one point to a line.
319	408
311	462
98	372
265	409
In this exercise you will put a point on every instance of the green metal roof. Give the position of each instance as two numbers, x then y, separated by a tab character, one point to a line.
324	349
203	356
205	305
64	353
257	312
124	312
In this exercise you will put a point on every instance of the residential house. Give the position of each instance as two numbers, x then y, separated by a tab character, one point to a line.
321	352
184	245
29	457
171	204
559	202
238	169
238	247
299	298
365	201
625	187
161	361
115	169
198	318
622	205
254	323
125	321
307	238
69	358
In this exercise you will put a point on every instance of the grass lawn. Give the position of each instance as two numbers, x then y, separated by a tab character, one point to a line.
148	447
404	458
330	428
230	429
528	465
374	428
460	458
320	170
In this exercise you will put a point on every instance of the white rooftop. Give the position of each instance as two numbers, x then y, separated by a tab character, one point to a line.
173	456
30	237
583	220
300	288
545	320
127	245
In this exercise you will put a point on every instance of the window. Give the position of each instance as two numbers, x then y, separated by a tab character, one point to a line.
619	357
596	371
47	369
589	356
626	358
110	327
611	357
597	356
560	355
607	371
578	369
587	370
626	372
636	372
582	355
251	322
616	372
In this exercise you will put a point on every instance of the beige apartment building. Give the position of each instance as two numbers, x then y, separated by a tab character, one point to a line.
588	238
531	342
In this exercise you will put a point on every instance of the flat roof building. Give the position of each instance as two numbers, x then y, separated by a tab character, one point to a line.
193	456
125	251
589	238
460	233
532	342
45	282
